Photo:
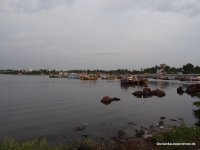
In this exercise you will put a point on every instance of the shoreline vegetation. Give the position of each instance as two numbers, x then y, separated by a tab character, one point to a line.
185	69
182	137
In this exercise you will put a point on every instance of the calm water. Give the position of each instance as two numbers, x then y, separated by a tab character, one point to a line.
37	106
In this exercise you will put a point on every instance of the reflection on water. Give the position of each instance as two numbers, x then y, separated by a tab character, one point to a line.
155	84
37	106
197	112
197	115
127	86
164	85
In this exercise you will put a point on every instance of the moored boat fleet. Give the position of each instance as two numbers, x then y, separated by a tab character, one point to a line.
75	76
125	79
178	77
134	80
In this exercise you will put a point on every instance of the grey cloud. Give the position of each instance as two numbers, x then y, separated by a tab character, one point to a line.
23	35
186	7
25	38
31	5
98	34
112	53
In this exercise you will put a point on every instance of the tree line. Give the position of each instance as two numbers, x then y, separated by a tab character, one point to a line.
185	69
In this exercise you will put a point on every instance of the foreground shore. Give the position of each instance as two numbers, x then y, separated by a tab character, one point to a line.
175	138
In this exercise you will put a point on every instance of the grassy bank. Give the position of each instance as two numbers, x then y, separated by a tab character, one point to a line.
176	135
11	144
197	103
179	135
197	94
42	144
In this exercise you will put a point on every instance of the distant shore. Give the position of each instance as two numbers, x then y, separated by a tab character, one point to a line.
185	69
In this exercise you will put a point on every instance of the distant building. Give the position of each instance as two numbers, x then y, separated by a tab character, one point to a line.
180	73
27	70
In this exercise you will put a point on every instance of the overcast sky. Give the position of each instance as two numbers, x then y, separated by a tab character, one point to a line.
103	34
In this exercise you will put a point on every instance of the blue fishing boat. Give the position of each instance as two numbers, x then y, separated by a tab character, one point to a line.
73	76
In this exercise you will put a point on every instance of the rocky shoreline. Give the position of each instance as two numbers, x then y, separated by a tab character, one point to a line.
145	138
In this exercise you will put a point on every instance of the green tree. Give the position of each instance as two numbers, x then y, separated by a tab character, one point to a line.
188	68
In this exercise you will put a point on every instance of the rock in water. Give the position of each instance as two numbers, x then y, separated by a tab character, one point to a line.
162	117
106	99
115	99
158	93
138	93
180	90
193	89
146	92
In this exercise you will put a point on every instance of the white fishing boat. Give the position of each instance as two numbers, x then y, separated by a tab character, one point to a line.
198	78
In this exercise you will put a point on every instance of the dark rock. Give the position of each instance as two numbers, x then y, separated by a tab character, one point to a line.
172	119
122	134
146	92
140	133
160	93
138	93
151	127
131	123
106	99
197	86
139	96
115	99
160	123
85	135
146	96
193	89
81	127
106	103
162	117
153	92
180	90
180	119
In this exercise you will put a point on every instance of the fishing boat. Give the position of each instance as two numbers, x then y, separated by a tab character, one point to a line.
134	80
108	77
54	76
198	78
143	81
73	76
85	77
124	81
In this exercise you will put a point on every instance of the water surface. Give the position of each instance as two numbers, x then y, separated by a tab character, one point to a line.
38	106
